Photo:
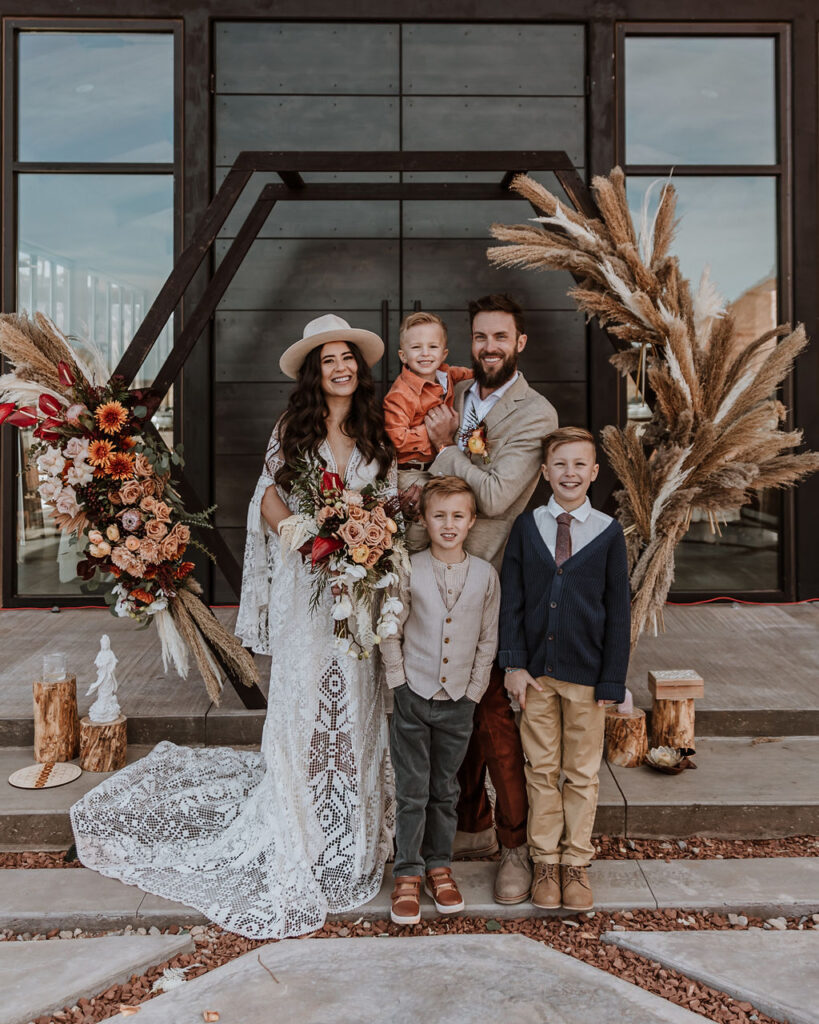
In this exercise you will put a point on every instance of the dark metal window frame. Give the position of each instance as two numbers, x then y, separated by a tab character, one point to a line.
12	168
782	172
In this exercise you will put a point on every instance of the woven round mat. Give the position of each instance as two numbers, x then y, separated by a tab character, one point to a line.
45	776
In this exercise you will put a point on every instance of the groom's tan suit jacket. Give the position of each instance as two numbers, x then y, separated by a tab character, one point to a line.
515	428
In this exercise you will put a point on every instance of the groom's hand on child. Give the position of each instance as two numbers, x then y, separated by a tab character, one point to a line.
516	684
442	425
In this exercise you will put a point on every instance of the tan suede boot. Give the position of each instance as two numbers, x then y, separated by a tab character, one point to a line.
474	845
513	882
546	886
577	890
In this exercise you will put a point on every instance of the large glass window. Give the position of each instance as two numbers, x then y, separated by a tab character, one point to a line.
702	109
93	248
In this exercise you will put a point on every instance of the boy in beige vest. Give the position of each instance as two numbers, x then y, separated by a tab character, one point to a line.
437	666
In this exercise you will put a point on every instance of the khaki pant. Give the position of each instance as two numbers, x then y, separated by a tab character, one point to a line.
562	728
416	537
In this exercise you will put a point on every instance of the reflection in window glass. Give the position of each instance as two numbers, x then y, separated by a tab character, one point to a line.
700	100
95	97
93	251
716	230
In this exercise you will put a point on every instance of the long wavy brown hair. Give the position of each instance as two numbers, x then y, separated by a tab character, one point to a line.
303	425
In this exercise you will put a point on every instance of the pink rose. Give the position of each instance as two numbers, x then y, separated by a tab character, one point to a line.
130	492
162	512
352	533
169	548
67	502
324	513
155	529
150	486
142	467
373	557
357	513
374	536
148	504
95	537
182	533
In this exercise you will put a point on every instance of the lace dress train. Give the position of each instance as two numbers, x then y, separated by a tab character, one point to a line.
265	844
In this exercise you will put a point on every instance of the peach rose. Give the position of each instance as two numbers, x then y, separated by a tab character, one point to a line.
95	537
357	513
387	545
130	492
351	533
373	557
112	533
155	529
142	467
391	525
132	543
162	512
114	498
103	549
150	486
374	536
325	513
169	548
360	554
182	533
379	515
148	504
148	550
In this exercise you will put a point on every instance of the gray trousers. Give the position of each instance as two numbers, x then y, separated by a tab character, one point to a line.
428	741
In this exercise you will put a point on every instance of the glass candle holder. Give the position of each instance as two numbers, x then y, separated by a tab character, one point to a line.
54	667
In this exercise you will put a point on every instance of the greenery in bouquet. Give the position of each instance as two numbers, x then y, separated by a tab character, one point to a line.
354	542
106	479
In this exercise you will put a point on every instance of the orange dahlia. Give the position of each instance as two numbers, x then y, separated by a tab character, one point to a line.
120	466
99	452
111	416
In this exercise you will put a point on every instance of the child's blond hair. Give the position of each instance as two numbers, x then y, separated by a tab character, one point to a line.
418	318
445	487
567	435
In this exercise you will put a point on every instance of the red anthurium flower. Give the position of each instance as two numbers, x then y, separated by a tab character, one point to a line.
6	409
44	433
49	405
24	417
324	546
65	374
331	481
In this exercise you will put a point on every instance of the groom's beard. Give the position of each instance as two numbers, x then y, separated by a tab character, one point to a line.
498	375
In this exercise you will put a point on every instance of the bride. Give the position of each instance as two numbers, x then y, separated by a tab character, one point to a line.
266	844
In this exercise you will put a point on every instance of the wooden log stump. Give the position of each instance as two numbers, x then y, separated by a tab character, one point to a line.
103	745
56	722
626	742
672	724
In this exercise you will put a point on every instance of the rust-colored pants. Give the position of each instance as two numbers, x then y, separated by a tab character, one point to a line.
495	744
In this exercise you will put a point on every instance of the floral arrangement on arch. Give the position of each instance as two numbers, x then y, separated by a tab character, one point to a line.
355	546
107	482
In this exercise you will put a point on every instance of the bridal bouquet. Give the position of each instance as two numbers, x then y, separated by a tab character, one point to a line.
106	480
354	544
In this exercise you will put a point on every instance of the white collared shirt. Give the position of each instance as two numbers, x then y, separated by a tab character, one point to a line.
587	523
443	380
476	409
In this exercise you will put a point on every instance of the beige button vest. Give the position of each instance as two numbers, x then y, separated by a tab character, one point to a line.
439	645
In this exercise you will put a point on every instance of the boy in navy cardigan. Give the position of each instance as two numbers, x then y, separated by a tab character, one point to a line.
564	647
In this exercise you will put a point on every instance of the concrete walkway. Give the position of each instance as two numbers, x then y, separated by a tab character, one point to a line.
40	900
774	971
440	978
37	978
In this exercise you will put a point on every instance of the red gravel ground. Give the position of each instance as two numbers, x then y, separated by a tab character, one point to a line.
577	936
608	848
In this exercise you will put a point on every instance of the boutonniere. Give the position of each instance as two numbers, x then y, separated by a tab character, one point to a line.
474	437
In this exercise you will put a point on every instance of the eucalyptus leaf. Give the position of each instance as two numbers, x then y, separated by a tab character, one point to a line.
140	411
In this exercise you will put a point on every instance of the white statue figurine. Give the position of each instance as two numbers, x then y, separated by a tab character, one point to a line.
106	707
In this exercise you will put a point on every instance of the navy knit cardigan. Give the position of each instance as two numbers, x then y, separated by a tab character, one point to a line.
571	623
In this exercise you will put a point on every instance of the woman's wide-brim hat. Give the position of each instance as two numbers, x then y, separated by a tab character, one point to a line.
330	328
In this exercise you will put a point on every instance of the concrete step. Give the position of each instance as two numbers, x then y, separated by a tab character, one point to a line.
740	789
39	900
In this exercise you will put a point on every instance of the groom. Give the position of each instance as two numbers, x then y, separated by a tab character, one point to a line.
516	420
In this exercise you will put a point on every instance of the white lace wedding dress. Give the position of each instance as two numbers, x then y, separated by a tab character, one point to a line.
265	844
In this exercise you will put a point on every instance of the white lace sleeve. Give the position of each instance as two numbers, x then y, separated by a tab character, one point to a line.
251	621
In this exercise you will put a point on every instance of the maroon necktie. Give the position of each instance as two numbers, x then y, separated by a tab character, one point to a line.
563	544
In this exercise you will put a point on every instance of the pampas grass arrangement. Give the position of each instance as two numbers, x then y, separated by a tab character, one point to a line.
716	436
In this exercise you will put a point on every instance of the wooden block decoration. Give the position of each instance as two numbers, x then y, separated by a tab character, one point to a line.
672	724
103	746
675	684
626	741
56	722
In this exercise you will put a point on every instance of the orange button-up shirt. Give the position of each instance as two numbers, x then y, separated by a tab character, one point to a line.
407	403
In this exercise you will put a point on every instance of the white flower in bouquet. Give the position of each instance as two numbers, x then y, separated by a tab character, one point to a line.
296	530
343	608
80	473
389	579
354	572
51	462
51	489
159	605
67	504
387	627
352	498
392	606
77	448
343	643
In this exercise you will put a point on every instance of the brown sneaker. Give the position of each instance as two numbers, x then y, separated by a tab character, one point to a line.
513	882
546	886
473	845
577	890
443	889
406	900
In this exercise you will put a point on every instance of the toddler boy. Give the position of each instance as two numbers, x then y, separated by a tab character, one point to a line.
564	646
438	668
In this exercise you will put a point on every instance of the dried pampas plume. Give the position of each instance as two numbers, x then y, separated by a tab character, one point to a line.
716	435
